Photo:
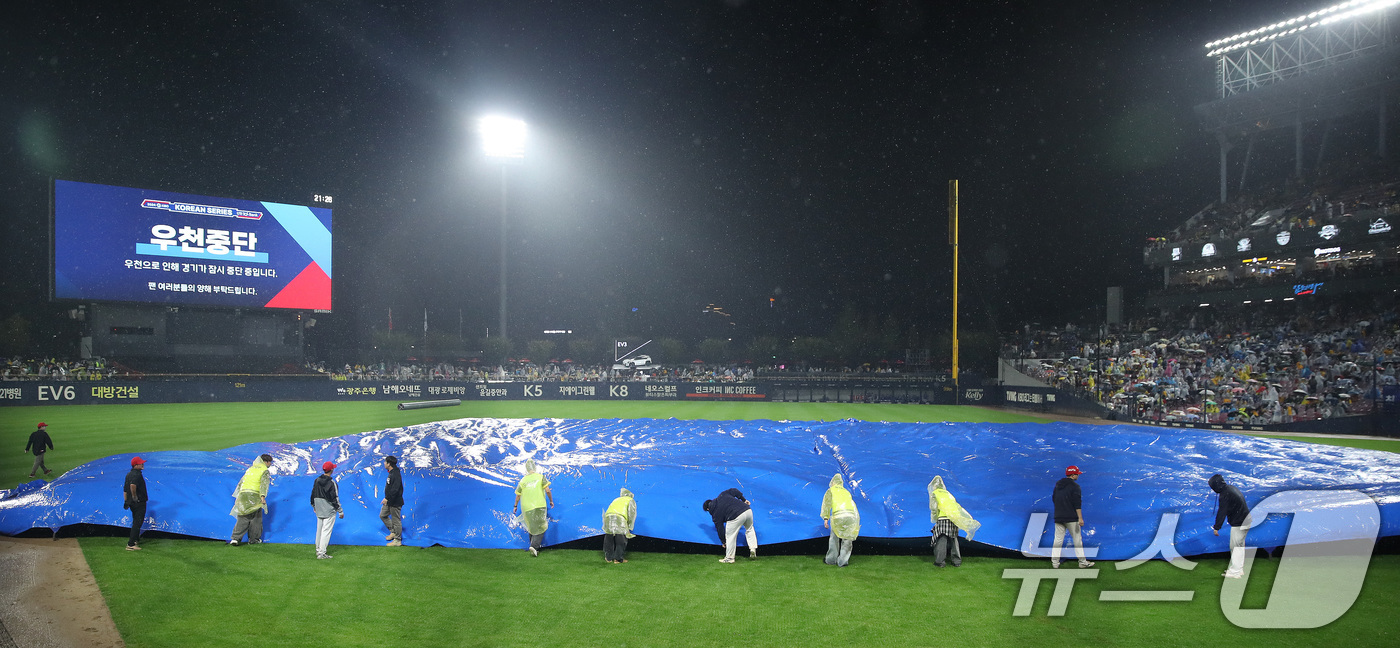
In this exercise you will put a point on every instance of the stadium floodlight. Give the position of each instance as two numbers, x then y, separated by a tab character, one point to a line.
1343	11
504	137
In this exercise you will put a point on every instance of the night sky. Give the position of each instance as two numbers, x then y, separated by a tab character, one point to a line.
682	152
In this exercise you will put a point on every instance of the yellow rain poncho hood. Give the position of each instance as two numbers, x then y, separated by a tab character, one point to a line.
941	500
252	488
534	515
621	515
840	508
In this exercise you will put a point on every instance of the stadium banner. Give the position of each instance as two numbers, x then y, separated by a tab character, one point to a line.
1366	229
1048	400
934	390
254	390
120	244
979	395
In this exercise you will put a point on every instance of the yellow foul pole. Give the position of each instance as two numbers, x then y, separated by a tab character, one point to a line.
953	241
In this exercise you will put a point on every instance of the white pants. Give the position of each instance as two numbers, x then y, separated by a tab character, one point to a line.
1073	528
323	534
1237	550
731	534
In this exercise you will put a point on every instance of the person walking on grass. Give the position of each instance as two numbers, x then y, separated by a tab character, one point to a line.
1230	506
1069	516
391	507
39	440
948	516
134	498
730	511
250	500
618	521
533	499
325	499
840	515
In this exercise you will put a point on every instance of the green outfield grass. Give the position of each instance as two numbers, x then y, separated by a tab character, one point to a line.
189	593
1388	445
203	593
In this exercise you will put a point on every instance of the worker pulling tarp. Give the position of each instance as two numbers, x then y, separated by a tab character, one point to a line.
840	509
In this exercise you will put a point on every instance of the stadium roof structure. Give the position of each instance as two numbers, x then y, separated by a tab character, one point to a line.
1339	60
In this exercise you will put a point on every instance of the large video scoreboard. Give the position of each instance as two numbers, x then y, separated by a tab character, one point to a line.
121	244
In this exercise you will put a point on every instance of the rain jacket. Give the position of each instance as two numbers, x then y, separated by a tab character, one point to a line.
942	505
534	515
40	441
840	508
325	496
1230	505
393	488
729	505
1067	498
252	488
621	514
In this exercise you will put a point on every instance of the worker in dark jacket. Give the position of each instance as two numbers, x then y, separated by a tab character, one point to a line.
1230	506
391	507
39	440
134	498
1069	516
730	511
325	499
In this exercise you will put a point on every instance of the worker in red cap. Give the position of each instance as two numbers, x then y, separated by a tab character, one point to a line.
39	440
325	498
134	496
1069	516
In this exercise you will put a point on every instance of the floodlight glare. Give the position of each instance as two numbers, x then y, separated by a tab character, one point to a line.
1355	8
502	137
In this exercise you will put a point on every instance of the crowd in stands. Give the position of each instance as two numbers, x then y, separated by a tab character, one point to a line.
1266	275
1359	200
1349	196
532	372
1224	366
518	371
17	368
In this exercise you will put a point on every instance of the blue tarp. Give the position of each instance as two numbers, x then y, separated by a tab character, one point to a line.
460	475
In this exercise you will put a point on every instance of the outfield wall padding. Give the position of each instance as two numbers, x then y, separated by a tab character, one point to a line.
459	478
261	389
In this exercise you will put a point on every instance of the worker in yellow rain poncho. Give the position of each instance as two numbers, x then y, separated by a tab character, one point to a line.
250	500
947	518
617	527
532	495
840	515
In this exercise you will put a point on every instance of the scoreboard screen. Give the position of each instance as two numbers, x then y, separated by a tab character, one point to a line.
156	247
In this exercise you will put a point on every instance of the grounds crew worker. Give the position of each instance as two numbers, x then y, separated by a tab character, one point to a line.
250	500
40	441
532	495
948	516
618	521
840	515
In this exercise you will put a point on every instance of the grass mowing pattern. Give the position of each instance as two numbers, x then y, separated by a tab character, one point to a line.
188	593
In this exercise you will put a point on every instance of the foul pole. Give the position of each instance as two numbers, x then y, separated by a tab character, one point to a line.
953	241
